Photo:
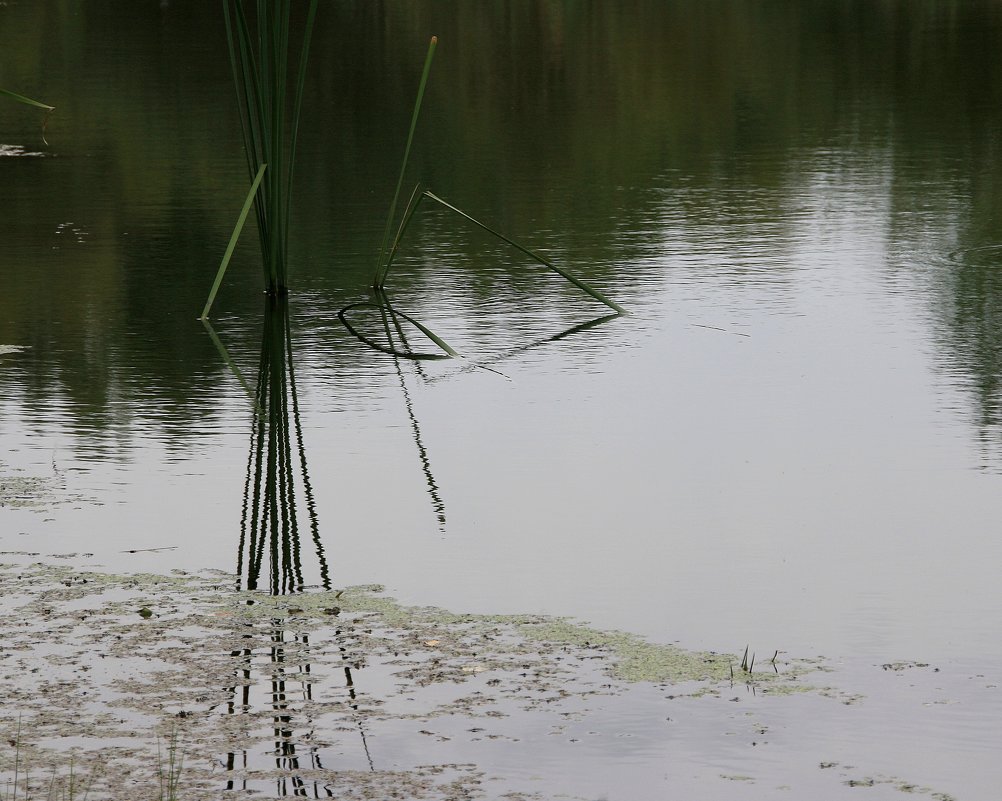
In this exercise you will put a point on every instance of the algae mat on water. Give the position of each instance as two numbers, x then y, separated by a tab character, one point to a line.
22	490
345	693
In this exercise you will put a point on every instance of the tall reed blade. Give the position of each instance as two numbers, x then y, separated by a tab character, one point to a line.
380	269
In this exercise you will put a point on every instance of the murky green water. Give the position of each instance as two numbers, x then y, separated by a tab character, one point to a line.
793	441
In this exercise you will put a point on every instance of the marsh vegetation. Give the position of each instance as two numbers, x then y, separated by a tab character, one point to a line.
796	426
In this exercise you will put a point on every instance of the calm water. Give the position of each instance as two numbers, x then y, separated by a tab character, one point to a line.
792	441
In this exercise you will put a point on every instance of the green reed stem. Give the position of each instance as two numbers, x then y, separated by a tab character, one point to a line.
297	109
385	302
25	100
251	194
380	269
412	206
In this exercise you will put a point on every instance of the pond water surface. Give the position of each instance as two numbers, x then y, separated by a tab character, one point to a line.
792	441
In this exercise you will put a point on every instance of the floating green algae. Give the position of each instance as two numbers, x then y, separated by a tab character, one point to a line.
207	658
634	658
625	656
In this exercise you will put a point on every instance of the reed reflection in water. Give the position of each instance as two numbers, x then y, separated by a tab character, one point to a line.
273	670
396	344
277	472
273	686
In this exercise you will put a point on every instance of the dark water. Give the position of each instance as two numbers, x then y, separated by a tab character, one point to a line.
794	438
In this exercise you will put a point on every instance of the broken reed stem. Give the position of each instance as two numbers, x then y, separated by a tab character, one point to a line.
532	255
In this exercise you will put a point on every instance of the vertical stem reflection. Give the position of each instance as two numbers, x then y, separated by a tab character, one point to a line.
277	471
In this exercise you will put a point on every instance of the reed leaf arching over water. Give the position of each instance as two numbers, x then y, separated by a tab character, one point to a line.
270	100
25	100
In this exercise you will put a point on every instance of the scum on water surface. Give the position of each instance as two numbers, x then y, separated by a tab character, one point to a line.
22	490
85	667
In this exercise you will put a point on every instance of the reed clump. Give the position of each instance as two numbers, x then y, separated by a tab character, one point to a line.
269	73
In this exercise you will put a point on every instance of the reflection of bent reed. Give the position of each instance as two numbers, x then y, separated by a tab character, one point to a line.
394	333
392	329
484	364
269	525
388	349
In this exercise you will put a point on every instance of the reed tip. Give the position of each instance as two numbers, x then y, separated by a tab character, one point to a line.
434	40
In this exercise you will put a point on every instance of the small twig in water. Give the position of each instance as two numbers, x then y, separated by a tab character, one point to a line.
151	550
723	330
